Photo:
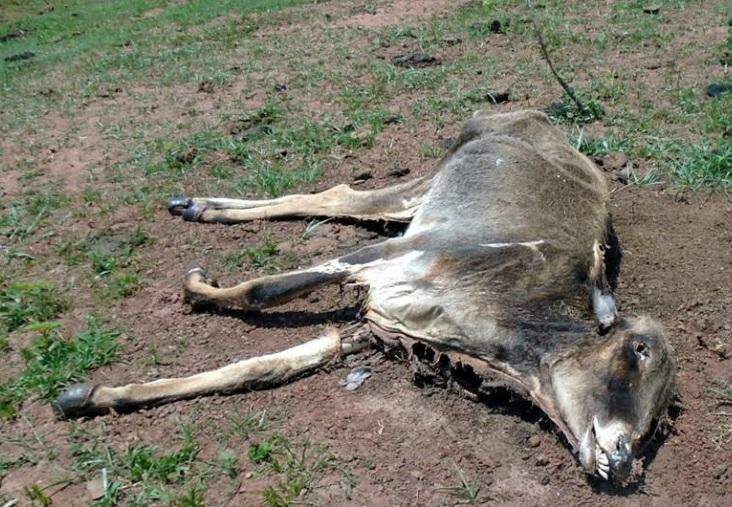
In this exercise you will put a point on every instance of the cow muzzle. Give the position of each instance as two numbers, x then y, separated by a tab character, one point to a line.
607	451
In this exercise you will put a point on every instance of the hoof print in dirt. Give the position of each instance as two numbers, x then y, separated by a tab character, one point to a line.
76	402
415	60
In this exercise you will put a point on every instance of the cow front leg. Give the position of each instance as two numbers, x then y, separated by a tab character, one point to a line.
253	373
396	203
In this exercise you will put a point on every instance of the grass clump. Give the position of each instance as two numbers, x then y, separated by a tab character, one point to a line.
708	165
52	362
298	467
26	214
142	474
23	303
266	256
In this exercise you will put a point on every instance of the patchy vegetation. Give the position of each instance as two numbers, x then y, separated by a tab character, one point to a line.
108	109
23	303
53	362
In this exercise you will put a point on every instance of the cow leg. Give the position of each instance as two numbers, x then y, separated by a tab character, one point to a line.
273	290
256	372
396	203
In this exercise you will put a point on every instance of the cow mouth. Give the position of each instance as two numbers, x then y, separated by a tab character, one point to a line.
607	464
602	460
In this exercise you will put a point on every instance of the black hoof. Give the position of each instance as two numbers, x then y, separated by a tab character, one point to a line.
76	402
195	267
197	301
193	212
177	205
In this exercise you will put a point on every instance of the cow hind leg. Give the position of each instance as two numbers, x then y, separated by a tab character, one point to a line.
396	203
273	290
253	373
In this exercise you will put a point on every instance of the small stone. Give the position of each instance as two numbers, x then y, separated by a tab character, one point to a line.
280	87
652	9
415	60
625	175
363	176
186	156
97	487
534	441
206	86
417	474
498	97
545	480
399	172
614	161
356	377
451	39
542	461
447	143
717	89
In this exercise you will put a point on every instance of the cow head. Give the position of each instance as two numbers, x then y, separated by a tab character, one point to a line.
612	393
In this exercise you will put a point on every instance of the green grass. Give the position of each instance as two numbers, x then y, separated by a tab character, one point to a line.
466	491
142	474
26	214
266	256
88	46
108	252
244	426
724	394
53	362
297	467
22	303
597	147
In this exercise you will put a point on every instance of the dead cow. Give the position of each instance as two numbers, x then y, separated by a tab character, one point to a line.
508	254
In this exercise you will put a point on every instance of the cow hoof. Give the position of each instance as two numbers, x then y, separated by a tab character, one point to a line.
193	298
76	402
193	212
178	205
195	269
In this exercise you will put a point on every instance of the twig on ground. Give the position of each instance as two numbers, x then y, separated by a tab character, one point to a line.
545	53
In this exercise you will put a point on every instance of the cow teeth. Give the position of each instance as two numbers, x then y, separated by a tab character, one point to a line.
601	457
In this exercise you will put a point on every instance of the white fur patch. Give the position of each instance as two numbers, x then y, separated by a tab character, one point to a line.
603	305
337	266
534	245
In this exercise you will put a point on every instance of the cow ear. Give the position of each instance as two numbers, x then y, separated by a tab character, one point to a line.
622	324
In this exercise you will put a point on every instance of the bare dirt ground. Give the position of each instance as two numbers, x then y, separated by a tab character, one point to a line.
401	444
